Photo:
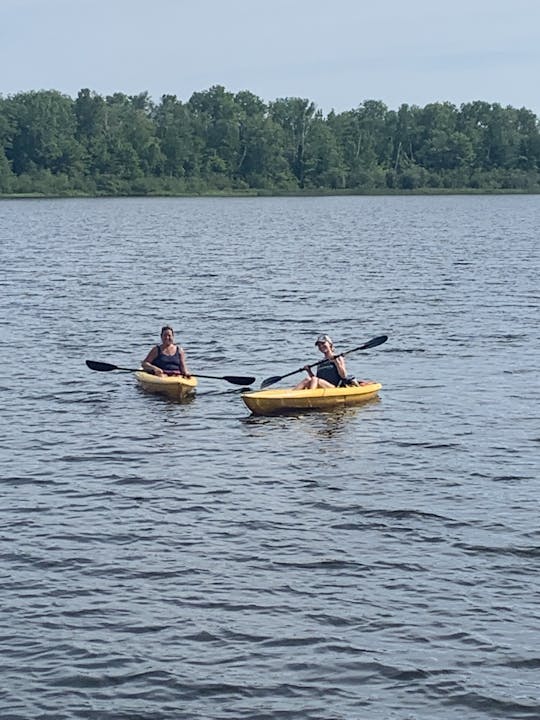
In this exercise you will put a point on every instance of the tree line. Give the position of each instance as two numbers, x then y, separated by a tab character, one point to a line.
220	141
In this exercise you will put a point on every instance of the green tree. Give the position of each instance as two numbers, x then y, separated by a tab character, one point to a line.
43	133
91	116
474	122
130	148
6	174
364	137
261	159
216	126
174	132
529	140
324	166
441	146
295	117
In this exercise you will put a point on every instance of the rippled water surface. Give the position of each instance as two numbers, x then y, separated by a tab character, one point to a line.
161	561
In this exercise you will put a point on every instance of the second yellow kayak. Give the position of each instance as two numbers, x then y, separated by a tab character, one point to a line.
175	387
281	400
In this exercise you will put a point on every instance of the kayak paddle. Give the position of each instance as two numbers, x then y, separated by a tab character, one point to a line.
370	344
234	379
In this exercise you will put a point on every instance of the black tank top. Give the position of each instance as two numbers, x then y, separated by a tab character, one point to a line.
167	363
327	370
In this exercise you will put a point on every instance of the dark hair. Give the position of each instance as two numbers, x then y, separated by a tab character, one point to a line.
166	327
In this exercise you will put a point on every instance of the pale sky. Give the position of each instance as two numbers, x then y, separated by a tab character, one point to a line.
336	53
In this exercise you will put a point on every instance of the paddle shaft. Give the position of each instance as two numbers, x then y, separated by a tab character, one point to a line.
234	379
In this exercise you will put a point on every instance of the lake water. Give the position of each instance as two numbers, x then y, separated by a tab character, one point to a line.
162	561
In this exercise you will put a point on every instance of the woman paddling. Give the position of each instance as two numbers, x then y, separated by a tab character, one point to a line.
166	358
332	372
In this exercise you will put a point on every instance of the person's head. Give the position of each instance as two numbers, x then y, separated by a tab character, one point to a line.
167	333
324	342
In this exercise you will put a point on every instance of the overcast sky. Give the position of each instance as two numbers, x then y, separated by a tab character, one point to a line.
336	53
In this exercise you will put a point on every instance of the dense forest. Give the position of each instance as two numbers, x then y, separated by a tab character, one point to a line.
220	141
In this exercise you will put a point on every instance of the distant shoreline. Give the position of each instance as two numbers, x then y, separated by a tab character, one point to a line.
265	193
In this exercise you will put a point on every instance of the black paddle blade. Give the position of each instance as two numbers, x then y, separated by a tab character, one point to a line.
100	366
107	367
270	381
376	341
239	379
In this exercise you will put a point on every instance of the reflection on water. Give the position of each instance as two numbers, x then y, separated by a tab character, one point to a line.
167	397
327	422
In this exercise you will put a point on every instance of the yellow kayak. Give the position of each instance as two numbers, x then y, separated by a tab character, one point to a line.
272	402
175	387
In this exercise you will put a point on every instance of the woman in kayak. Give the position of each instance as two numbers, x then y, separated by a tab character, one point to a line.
330	373
166	358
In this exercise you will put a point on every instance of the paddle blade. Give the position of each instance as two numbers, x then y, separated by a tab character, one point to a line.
100	366
239	379
270	381
376	341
